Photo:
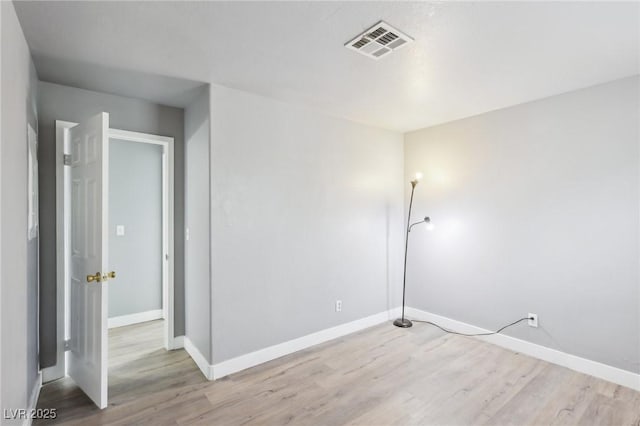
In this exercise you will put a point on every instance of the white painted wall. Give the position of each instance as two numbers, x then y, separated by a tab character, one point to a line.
306	209
197	202
19	257
536	209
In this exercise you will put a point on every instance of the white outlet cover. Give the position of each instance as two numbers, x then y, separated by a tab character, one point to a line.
532	322
120	230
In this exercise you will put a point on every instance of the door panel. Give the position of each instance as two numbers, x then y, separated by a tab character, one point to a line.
88	363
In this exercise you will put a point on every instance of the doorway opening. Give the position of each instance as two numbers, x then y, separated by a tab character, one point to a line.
140	235
140	241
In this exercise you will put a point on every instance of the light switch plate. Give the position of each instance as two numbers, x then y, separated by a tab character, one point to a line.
119	230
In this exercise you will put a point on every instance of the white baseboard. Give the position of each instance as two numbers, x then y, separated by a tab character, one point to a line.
54	372
33	399
252	359
123	320
177	343
573	362
198	358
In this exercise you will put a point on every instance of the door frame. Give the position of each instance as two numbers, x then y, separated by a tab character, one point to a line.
167	222
62	230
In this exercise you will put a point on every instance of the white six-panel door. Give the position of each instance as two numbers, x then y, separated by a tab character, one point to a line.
88	299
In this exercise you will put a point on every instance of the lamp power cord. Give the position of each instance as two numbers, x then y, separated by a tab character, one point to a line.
475	334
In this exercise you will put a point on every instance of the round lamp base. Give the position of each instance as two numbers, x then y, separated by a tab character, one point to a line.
403	323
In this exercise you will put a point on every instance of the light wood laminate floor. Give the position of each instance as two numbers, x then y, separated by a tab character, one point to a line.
380	376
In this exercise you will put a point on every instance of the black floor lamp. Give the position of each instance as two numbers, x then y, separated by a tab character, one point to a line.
402	321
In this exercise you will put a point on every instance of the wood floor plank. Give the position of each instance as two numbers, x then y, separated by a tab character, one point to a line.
380	376
525	404
485	389
569	402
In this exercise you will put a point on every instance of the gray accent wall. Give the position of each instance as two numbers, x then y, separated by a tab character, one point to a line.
59	102
536	209
198	249
18	255
135	202
306	209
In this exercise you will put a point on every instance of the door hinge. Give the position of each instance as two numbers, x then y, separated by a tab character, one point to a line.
67	159
67	345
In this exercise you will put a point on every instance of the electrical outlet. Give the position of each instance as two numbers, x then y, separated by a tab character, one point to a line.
338	305
533	320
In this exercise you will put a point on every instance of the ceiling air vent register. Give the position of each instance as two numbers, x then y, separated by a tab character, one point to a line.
379	41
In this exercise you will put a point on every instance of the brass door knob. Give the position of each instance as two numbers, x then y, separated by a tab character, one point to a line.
97	278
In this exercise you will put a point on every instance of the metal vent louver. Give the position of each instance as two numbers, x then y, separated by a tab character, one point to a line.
379	40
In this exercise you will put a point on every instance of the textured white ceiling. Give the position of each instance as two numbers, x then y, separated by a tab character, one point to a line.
467	58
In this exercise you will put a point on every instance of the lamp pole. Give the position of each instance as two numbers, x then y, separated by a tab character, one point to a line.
403	322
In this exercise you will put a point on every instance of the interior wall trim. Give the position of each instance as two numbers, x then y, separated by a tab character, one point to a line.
573	362
261	356
136	318
33	399
242	362
177	343
198	358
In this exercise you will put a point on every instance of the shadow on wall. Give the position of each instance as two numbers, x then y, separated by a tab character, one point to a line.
154	88
197	297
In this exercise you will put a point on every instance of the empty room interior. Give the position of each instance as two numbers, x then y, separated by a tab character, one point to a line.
320	213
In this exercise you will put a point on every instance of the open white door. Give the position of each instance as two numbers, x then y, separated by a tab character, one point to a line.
88	297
